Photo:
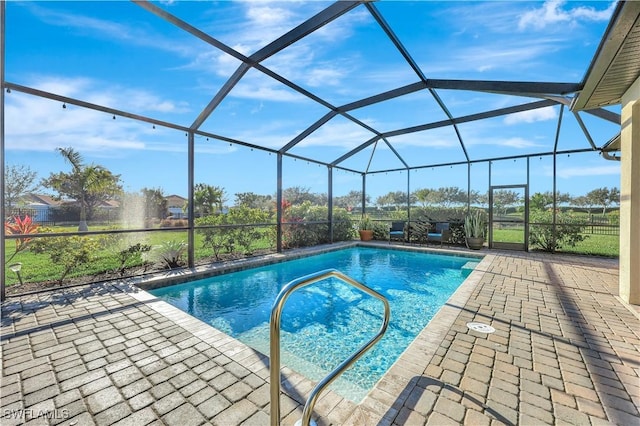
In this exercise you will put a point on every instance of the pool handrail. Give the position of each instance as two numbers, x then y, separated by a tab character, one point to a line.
274	333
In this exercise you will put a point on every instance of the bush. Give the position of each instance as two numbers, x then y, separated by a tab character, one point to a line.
219	238
380	230
174	223
170	252
68	252
342	226
298	232
567	230
132	256
244	236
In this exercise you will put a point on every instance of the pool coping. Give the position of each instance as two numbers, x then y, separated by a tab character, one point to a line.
386	396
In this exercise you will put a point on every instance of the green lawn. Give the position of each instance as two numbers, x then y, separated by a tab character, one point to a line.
39	267
596	245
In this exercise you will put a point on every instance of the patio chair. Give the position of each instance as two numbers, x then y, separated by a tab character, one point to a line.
397	231
442	234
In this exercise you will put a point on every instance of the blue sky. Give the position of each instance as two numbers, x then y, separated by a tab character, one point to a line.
119	55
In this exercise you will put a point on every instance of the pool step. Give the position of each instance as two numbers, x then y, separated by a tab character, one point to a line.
468	267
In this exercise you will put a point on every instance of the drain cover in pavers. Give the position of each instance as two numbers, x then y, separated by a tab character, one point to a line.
480	327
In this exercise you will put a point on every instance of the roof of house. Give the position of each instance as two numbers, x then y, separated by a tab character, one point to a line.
43	199
174	200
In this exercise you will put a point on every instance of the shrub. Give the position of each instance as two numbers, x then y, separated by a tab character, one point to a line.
68	252
244	236
567	230
20	226
171	252
299	232
174	223
132	256
380	230
217	238
342	226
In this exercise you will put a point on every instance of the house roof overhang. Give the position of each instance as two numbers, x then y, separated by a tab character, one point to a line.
616	64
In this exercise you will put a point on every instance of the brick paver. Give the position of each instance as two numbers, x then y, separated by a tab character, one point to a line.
565	350
561	343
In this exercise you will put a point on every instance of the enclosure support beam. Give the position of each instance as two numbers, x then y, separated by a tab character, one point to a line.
629	287
490	207
364	193
279	205
468	187
2	233
526	212
191	208
330	201
408	236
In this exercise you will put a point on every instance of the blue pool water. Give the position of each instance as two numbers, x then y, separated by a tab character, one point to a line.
324	323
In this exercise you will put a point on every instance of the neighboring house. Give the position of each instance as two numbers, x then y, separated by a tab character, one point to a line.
175	205
40	207
37	206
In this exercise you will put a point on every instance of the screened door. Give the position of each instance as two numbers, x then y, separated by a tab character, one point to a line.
509	217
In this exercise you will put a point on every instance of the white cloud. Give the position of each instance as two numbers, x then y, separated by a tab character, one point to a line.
438	138
553	13
39	124
342	134
257	89
300	62
572	172
516	142
531	116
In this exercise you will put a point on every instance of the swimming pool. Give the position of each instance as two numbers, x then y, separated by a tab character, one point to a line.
324	323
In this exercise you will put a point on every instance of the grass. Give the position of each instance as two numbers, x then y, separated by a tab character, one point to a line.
39	267
594	244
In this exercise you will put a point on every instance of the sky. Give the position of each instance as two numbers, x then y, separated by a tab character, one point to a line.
121	56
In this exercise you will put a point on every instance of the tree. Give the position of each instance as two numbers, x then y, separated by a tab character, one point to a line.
540	201
351	200
19	180
451	195
544	200
504	198
254	201
425	196
207	199
155	204
385	200
583	202
443	196
298	195
604	197
88	184
475	197
614	196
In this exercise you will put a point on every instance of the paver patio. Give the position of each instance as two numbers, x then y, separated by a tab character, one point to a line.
566	350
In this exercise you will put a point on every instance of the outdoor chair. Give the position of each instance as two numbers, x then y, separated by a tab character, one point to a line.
397	231
442	234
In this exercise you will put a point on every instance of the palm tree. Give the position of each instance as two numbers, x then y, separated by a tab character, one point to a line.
88	184
208	199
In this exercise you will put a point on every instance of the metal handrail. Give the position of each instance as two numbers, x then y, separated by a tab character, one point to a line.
274	332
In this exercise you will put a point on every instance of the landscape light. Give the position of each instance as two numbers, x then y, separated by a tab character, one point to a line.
16	267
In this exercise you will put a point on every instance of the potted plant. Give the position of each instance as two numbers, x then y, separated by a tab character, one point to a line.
474	230
365	228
